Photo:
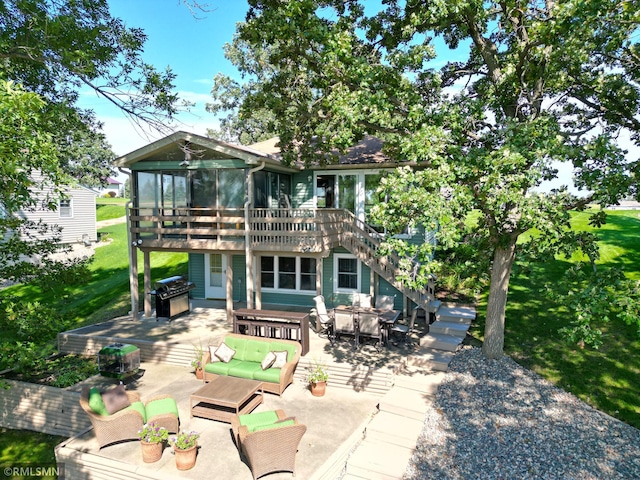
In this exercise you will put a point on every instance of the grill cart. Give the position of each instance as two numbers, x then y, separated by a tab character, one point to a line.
172	296
119	360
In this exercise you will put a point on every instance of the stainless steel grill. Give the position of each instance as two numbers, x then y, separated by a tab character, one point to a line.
172	296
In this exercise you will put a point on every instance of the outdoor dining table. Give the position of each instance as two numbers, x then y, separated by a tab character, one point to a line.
386	317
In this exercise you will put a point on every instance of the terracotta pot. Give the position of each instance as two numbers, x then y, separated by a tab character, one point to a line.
199	373
186	459
318	389
151	452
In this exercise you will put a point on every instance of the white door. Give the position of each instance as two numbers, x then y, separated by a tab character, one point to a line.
215	265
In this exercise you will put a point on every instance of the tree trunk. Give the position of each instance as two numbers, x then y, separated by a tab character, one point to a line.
494	327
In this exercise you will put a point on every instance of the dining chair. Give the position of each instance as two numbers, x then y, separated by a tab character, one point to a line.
362	300
385	302
343	323
368	325
324	318
403	330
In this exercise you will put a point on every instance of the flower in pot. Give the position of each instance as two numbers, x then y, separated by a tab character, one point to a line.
317	378
152	438
197	362
185	446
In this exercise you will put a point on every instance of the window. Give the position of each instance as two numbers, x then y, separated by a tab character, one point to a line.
347	273
64	209
288	273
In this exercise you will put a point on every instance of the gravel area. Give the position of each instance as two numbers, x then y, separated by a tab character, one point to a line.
493	419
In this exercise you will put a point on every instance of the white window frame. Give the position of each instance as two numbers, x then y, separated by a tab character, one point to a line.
69	207
336	258
276	275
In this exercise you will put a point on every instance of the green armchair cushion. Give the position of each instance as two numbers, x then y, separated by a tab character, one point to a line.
268	375
280	424
138	407
221	368
252	420
245	370
161	407
96	403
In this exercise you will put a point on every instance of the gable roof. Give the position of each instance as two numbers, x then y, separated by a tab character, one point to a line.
183	145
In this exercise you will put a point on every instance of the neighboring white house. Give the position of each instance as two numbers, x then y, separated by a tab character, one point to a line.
113	188
76	215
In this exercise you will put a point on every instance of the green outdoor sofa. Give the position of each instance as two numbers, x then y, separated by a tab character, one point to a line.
251	358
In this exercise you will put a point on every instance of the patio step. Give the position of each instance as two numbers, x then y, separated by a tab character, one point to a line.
406	402
379	461
394	429
440	341
456	313
425	383
428	360
449	328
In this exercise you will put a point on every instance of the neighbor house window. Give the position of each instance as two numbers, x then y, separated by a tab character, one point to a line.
288	273
347	273
64	209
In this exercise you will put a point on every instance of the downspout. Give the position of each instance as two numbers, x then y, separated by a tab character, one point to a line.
247	235
133	254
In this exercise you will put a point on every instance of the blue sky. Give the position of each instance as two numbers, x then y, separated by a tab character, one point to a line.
193	47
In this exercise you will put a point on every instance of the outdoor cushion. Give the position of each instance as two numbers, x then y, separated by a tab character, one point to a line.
224	352
279	347
115	399
281	359
268	360
138	407
251	420
245	370
280	424
161	407
221	368
255	350
96	403
212	353
269	375
238	344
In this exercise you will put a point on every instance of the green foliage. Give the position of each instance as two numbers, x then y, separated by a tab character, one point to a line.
32	321
24	447
184	440
594	298
153	433
541	82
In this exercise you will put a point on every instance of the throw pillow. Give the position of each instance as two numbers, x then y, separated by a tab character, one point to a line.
96	403
115	399
281	359
212	354
268	361
225	353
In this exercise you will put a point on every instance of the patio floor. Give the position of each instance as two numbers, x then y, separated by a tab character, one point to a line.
334	422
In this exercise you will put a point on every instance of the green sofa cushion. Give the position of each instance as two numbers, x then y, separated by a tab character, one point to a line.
239	345
244	370
161	407
279	347
281	424
252	420
271	375
138	407
255	350
96	403
221	368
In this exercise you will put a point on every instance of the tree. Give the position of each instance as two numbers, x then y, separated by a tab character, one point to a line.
542	81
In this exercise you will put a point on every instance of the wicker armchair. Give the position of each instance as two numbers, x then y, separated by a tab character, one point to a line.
125	424
272	449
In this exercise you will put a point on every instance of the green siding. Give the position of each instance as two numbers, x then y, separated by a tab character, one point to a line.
302	191
196	274
157	165
292	299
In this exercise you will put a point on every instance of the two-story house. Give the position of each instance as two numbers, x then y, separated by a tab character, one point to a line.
260	232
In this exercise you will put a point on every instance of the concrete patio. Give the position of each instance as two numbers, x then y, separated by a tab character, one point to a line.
361	381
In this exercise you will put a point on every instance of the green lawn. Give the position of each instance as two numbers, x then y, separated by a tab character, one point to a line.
607	378
22	448
108	208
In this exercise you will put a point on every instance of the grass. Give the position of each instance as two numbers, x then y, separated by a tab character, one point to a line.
108	208
607	378
22	448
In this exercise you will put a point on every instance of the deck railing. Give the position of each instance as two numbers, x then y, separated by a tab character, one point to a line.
271	229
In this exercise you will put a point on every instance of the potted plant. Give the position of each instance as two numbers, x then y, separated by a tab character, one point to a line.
152	438
185	446
196	363
317	378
